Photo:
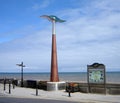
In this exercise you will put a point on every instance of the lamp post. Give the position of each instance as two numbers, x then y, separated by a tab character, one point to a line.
21	65
54	66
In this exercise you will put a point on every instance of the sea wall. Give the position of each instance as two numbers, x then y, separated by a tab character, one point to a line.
109	88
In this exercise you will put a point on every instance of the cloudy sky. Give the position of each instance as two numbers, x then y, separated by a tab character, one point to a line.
90	34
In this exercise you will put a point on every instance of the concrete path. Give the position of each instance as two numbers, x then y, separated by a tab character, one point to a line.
19	92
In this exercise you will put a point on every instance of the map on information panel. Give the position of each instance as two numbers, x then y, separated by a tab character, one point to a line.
96	75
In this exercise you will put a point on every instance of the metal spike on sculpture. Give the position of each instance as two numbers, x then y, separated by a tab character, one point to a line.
54	65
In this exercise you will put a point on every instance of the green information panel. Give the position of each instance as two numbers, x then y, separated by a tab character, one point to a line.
96	73
96	76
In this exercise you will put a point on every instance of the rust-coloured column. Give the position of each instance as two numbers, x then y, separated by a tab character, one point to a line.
54	66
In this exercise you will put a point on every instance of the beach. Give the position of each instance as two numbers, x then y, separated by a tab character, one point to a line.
79	97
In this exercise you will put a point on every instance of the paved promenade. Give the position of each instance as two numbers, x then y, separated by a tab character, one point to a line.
19	92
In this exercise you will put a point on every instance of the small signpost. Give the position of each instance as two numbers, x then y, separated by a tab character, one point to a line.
21	65
96	76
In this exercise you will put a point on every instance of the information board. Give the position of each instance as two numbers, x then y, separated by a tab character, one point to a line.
96	75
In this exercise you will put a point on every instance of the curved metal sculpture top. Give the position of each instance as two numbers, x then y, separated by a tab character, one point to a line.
53	18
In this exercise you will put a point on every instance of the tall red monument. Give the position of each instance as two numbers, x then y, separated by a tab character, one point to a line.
54	65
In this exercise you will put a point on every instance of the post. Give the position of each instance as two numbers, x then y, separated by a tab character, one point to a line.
13	83
22	75
36	88
21	65
54	65
69	90
4	84
9	87
69	94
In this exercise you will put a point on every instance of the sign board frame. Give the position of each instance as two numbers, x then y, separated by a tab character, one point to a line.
96	75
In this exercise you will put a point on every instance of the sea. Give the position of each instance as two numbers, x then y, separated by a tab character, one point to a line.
111	77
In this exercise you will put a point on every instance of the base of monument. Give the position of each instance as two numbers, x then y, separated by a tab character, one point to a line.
54	86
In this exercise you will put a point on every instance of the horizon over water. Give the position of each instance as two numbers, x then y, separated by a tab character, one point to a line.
111	77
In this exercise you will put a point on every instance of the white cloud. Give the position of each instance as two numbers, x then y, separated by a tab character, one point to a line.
89	39
43	4
109	5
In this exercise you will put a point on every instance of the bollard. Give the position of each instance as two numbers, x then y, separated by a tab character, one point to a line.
9	87
13	83
13	86
36	89
4	84
69	90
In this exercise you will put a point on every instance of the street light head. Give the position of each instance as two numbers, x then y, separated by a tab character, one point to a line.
53	18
